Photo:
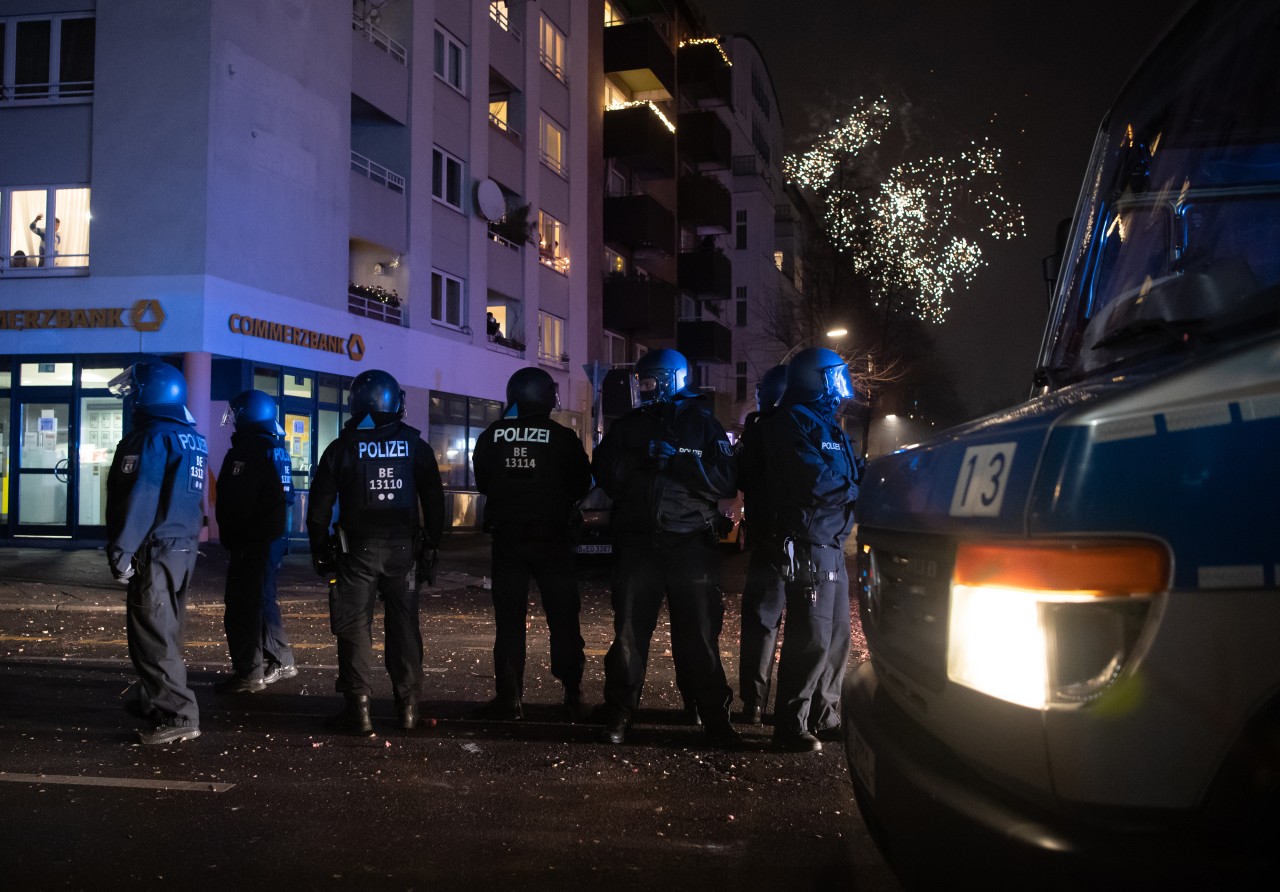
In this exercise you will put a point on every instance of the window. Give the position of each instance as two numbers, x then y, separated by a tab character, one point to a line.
551	142
454	423
614	96
46	59
740	306
446	178
613	15
551	337
615	348
740	382
614	263
449	60
777	260
447	300
551	46
500	12
553	243
28	240
740	234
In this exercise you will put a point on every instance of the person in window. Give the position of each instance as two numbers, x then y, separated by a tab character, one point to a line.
492	326
39	231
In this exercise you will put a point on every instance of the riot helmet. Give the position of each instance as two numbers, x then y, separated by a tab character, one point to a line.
532	391
771	387
661	374
155	388
253	410
376	392
817	373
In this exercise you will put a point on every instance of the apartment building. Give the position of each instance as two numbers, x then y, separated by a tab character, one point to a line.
281	194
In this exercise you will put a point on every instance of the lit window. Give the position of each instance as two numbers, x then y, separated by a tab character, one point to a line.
46	59
551	46
614	96
550	337
614	263
500	12
553	250
449	60
777	259
447	299
30	242
551	142
613	15
446	178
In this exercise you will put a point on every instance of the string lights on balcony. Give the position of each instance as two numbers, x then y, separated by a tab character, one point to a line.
695	41
632	103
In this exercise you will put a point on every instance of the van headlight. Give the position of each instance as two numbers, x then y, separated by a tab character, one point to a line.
1047	622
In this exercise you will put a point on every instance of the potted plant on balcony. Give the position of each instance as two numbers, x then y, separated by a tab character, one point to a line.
516	226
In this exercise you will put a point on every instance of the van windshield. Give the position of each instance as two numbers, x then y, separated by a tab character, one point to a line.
1176	244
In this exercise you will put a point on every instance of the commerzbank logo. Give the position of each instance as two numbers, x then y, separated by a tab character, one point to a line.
145	315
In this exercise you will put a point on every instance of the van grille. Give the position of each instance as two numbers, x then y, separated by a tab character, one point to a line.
904	594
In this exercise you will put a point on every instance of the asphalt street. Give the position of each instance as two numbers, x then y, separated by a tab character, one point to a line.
268	796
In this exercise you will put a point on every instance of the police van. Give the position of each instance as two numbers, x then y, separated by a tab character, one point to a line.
1072	607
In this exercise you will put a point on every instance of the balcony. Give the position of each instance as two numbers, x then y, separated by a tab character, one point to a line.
706	207
642	138
705	78
704	139
704	340
639	222
705	274
640	57
645	308
372	302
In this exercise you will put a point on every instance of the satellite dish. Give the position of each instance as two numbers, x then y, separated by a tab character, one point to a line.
490	201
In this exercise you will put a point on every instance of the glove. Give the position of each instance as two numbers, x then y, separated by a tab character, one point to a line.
661	449
324	569
123	575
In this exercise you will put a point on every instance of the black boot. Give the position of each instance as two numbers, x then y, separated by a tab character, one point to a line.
575	710
407	711
354	717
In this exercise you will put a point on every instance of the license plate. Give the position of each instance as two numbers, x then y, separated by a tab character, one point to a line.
595	549
863	760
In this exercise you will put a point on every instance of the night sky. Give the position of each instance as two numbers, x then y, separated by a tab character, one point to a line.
1033	76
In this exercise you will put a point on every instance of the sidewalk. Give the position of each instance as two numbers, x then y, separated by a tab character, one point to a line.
44	577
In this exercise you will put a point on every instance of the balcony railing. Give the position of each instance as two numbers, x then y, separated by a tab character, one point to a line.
504	127
380	39
371	308
503	21
64	91
376	172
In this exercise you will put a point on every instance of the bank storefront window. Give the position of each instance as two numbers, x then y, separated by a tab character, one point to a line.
455	422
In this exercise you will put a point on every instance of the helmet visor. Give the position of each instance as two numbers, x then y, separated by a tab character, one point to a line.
123	384
228	416
839	382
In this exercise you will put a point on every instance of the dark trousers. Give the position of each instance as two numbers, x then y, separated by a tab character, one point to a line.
155	609
763	597
815	649
550	564
376	568
687	575
255	632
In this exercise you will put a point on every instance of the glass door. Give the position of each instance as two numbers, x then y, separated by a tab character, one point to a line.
43	465
101	426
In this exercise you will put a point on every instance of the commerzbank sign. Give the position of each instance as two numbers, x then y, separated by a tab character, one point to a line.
144	315
352	345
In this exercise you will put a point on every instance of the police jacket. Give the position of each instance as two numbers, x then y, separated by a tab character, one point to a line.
254	490
155	486
670	498
813	475
752	475
385	481
531	471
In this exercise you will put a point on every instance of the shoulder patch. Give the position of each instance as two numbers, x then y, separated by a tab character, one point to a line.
237	468
129	464
726	447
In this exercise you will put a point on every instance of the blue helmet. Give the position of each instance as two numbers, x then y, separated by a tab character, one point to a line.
156	389
818	373
661	375
253	410
532	392
771	387
375	391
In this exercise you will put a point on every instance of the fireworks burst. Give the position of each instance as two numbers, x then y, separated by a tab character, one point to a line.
917	229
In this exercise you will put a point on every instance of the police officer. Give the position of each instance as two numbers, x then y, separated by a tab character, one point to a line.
532	471
386	483
762	595
812	485
666	464
255	490
154	515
